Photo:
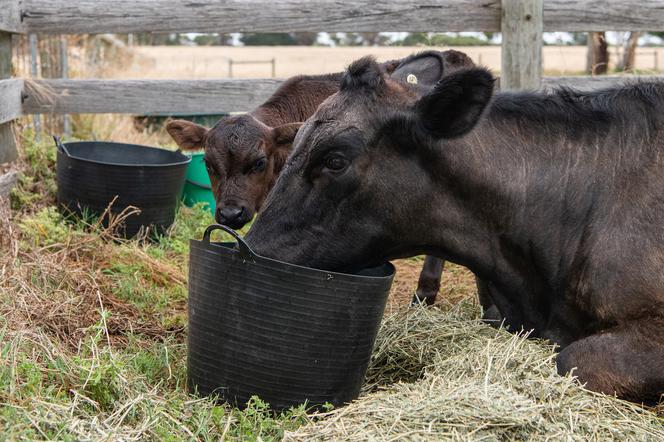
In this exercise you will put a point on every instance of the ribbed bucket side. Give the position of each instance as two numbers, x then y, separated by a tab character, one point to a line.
279	332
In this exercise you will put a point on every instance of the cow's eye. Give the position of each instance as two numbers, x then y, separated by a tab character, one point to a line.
335	163
260	164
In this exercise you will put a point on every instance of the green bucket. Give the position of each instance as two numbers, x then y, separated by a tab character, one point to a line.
197	186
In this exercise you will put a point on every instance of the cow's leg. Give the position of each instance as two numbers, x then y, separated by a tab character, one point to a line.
490	312
429	282
627	360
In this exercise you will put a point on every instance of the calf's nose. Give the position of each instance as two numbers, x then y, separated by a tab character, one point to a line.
231	216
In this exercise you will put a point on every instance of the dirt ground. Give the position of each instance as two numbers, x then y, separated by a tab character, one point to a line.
457	283
213	61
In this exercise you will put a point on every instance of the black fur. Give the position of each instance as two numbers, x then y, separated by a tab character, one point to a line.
455	104
554	200
364	73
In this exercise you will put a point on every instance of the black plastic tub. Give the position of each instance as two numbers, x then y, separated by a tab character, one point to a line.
286	333
91	175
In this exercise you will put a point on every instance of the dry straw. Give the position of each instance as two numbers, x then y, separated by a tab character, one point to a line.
53	287
458	379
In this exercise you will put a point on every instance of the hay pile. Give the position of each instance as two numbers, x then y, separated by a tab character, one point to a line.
459	379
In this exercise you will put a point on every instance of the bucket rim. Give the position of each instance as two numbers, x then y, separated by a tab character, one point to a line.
231	248
184	161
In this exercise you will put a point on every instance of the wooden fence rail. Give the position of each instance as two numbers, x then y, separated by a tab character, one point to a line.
125	16
193	96
145	96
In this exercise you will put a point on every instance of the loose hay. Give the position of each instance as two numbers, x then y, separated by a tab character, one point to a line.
457	378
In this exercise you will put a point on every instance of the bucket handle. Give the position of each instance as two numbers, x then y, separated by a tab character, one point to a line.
61	147
245	251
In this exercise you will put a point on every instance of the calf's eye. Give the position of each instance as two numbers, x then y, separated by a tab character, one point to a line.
335	163
260	164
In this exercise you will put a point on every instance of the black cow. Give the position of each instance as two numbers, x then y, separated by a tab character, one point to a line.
556	201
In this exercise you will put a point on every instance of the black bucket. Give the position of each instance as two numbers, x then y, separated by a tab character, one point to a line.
91	175
286	333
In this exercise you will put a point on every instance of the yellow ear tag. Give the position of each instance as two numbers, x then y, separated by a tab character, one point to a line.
412	79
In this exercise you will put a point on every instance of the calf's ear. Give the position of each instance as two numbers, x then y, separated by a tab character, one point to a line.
283	137
285	134
455	105
187	135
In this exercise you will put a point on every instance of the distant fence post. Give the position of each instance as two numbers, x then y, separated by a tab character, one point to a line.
522	26
656	54
34	71
7	141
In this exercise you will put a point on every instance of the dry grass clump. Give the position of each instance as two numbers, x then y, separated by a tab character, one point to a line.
118	128
52	279
459	379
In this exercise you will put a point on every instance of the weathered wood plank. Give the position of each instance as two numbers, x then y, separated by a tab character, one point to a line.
5	55
10	16
197	96
7	140
521	56
145	96
7	181
10	99
124	16
588	83
603	15
8	152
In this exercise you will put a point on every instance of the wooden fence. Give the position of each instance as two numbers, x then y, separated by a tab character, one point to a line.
520	21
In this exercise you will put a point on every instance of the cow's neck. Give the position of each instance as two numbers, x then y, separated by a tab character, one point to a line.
514	190
297	99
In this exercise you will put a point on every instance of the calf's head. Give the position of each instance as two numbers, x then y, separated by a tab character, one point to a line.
359	184
243	157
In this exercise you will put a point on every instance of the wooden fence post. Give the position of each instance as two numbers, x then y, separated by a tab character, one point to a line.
521	59
7	141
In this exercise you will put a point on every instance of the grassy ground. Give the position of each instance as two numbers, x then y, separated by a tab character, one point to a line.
92	330
92	335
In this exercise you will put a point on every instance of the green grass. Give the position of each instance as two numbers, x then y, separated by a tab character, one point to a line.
92	331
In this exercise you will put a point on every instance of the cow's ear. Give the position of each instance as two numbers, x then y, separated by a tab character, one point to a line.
285	134
455	105
187	135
